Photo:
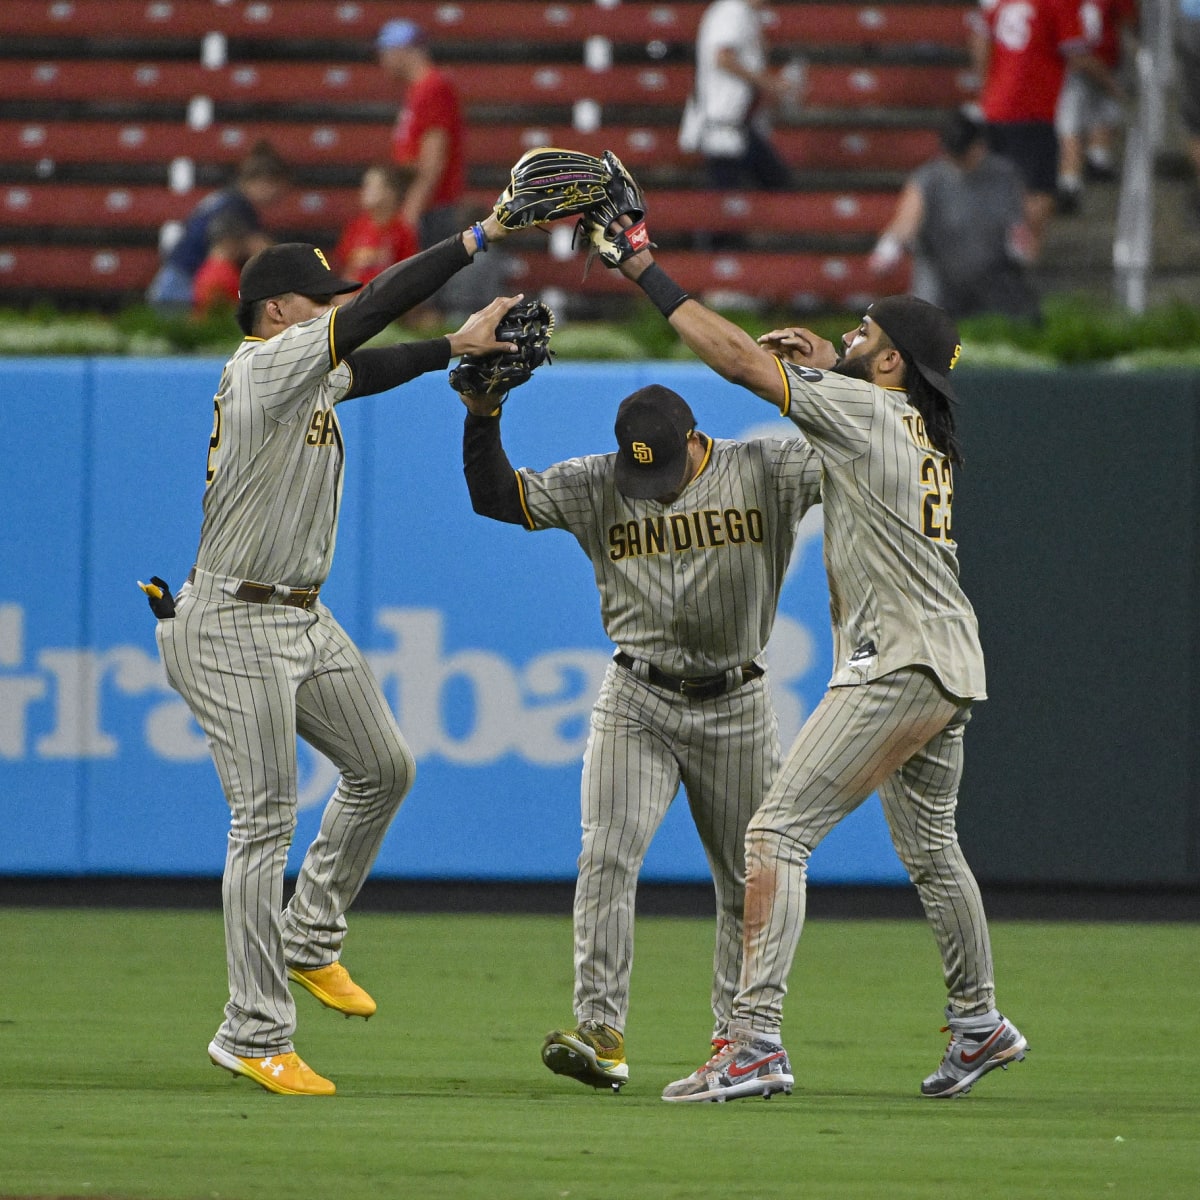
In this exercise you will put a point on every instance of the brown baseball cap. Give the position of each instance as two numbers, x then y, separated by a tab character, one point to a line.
924	332
290	267
653	426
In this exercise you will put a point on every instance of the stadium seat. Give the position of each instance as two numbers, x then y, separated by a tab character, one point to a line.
497	21
802	281
324	211
75	205
799	280
121	114
77	269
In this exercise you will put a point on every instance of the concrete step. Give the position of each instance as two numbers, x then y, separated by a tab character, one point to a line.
1078	253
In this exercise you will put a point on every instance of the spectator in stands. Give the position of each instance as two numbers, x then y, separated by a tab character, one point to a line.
1088	115
429	140
1021	50
727	117
1187	44
261	179
962	217
216	282
379	234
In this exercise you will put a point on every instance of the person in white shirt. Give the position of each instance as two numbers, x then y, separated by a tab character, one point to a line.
727	118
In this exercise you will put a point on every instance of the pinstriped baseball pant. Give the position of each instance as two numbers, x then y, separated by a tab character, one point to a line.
644	742
901	735
255	676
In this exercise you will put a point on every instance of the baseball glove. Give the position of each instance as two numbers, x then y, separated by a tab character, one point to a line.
530	325
158	592
622	198
548	183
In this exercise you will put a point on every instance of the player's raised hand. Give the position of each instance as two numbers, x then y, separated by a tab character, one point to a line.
478	332
801	347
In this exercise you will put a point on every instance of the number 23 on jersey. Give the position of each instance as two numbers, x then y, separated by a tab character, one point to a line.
937	484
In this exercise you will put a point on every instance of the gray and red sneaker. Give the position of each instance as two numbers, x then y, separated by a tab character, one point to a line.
972	1053
742	1067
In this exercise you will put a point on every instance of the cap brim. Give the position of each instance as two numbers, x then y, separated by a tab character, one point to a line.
335	287
643	483
327	286
938	381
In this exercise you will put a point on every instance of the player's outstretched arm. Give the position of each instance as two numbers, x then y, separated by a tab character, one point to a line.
493	484
730	351
406	284
381	368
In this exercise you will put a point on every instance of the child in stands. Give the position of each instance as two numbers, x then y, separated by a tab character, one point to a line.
379	235
216	282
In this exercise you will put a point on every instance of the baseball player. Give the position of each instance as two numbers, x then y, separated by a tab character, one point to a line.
907	662
689	538
260	659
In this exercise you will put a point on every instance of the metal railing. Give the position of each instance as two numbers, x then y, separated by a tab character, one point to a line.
1133	245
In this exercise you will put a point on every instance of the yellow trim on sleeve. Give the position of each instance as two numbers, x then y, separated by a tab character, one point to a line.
333	358
524	507
786	406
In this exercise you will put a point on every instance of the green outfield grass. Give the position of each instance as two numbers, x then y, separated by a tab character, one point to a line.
105	1088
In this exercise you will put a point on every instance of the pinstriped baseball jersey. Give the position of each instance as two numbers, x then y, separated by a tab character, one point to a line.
890	553
275	459
692	586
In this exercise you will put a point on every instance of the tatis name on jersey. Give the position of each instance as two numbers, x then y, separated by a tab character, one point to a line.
698	530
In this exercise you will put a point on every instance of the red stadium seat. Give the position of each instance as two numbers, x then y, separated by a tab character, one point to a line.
77	268
74	166
799	280
360	143
527	21
478	83
789	279
75	205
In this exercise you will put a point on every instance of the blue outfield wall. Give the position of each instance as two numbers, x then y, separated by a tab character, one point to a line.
486	638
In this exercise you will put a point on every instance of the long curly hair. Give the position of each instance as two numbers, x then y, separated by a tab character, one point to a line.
936	409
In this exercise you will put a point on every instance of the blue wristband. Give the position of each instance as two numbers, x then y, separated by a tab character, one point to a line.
480	238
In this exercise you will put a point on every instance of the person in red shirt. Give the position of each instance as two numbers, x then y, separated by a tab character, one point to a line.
1090	114
216	282
380	234
428	140
1021	50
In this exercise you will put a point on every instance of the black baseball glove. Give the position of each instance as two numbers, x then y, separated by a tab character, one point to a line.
622	198
530	325
548	183
158	593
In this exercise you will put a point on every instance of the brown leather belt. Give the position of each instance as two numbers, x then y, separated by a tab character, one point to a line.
697	687
267	593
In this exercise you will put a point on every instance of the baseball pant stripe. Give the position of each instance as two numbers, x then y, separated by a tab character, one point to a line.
342	713
855	739
643	743
919	802
255	676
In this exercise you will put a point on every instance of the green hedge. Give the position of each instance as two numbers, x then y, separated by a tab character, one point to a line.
1074	331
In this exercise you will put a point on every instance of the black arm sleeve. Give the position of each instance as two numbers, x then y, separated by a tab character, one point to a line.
491	480
393	292
378	368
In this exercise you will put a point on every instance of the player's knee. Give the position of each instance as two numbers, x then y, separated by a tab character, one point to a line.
928	862
397	770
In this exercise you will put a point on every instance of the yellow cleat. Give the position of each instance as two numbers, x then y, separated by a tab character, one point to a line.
593	1053
335	989
285	1074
